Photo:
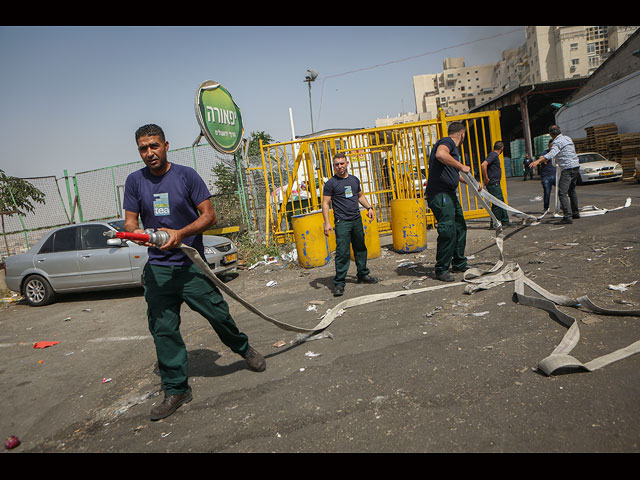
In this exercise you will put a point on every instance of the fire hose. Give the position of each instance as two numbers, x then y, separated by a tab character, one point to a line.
159	238
474	279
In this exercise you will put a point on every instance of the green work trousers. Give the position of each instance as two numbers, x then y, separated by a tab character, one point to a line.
349	234
165	289
452	232
499	212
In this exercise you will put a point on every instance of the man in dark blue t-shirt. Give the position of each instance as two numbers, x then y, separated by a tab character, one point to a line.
343	192
492	175
444	177
173	198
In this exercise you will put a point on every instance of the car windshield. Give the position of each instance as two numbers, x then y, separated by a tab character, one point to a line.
590	157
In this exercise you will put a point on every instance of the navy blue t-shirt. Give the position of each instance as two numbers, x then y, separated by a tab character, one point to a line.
547	170
344	196
493	168
168	201
443	178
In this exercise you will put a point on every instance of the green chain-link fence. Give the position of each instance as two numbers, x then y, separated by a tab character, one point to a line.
98	195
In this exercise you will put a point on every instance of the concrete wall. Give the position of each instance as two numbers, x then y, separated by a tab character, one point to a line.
617	102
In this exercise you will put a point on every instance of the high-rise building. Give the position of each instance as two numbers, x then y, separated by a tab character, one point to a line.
549	53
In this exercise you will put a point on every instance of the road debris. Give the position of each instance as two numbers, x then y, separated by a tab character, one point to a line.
622	287
44	344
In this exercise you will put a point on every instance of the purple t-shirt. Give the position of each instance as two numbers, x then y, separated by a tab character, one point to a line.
167	201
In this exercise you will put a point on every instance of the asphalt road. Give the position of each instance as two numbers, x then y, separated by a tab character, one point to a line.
418	373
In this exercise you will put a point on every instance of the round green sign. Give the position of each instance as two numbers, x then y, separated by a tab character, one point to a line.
219	117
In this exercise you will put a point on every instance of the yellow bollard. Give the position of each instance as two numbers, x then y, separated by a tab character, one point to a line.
371	236
311	243
409	224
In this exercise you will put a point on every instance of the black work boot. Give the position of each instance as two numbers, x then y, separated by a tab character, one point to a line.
367	279
445	277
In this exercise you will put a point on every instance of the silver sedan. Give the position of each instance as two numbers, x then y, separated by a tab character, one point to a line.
77	258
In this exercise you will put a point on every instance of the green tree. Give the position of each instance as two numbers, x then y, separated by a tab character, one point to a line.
17	196
254	142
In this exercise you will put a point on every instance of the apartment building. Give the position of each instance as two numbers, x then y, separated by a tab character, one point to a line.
559	52
549	53
456	89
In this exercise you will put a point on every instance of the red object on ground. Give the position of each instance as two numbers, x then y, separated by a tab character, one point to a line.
11	442
43	344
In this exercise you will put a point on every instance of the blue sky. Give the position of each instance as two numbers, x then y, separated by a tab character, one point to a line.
72	97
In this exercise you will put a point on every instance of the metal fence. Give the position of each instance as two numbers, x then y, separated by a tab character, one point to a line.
285	180
97	195
391	163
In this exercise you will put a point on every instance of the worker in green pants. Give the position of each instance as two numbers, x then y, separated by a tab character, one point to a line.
173	198
452	235
492	174
343	192
442	184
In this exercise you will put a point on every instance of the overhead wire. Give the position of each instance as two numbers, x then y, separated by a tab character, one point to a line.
400	60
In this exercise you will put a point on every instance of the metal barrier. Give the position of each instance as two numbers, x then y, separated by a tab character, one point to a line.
98	195
391	163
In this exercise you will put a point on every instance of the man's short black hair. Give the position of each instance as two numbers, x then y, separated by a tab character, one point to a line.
149	130
455	127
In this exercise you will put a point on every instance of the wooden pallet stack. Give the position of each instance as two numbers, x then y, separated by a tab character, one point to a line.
582	145
598	137
630	151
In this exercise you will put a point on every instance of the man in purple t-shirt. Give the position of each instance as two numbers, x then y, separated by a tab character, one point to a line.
173	198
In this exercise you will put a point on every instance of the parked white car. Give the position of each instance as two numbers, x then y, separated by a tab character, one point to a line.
594	167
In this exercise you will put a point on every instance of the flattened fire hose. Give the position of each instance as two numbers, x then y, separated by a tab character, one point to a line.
559	360
474	280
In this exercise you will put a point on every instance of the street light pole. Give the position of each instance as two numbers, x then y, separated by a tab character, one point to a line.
310	77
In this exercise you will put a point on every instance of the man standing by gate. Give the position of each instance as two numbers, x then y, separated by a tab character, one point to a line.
492	174
444	177
343	192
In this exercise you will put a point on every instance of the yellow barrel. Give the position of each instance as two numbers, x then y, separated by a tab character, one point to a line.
311	243
409	224
371	235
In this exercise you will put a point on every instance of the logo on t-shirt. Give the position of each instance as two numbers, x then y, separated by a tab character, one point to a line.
161	204
348	193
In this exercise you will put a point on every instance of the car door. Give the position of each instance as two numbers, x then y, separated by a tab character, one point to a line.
58	259
101	264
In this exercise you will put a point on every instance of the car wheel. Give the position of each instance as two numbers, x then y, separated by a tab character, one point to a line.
37	291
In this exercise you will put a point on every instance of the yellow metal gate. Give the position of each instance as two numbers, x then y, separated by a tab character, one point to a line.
391	162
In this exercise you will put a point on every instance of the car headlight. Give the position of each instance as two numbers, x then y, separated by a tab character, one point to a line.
589	170
209	250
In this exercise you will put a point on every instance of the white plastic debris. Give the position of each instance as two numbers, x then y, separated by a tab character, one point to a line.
622	287
272	283
479	314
